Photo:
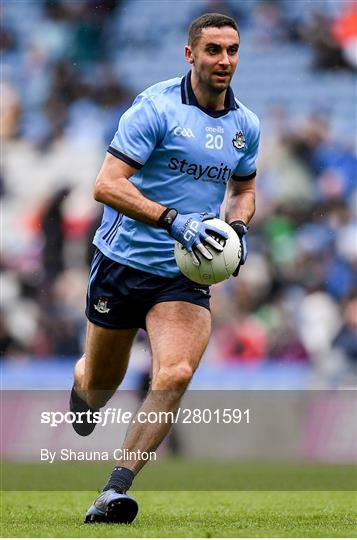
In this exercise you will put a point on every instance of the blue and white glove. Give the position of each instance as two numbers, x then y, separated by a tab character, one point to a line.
191	231
241	229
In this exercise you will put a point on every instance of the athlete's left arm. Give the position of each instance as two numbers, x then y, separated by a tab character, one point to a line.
240	204
240	209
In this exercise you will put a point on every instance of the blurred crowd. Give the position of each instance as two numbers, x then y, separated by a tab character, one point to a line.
296	297
328	28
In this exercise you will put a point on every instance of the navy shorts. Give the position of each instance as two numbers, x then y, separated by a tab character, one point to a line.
119	296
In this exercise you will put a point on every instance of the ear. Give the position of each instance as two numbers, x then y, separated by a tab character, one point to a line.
189	55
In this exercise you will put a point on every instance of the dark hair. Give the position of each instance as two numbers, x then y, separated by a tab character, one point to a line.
215	20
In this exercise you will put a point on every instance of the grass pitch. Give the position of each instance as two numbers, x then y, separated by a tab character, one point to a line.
186	514
182	474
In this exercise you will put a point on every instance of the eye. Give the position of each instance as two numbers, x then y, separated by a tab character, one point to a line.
233	50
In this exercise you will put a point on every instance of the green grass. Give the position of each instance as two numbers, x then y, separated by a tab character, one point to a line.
182	474
186	514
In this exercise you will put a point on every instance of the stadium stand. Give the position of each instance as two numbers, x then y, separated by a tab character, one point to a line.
70	70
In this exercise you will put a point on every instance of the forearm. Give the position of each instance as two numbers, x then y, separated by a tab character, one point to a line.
121	194
240	207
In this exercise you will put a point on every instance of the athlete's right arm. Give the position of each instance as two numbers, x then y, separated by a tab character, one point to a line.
113	188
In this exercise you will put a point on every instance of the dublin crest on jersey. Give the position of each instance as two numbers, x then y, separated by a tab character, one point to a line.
102	305
239	141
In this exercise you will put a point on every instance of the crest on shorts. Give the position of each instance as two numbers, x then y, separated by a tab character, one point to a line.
102	305
239	141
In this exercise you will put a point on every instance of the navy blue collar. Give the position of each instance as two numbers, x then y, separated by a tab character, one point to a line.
188	98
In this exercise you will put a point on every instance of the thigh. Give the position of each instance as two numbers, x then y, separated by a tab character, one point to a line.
106	356
178	334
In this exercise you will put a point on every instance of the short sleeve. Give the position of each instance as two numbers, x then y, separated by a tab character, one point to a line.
247	168
138	133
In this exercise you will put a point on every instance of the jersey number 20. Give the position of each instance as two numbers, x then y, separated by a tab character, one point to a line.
214	142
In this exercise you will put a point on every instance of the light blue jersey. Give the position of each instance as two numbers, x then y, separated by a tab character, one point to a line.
185	155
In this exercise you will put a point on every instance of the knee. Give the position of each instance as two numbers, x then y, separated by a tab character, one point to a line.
94	391
173	378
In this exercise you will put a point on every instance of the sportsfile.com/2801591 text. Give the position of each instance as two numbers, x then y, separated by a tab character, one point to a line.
119	416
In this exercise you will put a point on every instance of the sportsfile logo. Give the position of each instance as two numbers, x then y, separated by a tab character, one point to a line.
113	415
183	132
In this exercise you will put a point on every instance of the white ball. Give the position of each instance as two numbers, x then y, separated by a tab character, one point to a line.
222	264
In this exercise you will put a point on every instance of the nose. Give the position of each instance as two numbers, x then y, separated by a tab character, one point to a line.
224	59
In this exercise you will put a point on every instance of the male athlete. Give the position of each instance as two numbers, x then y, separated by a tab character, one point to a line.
178	148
